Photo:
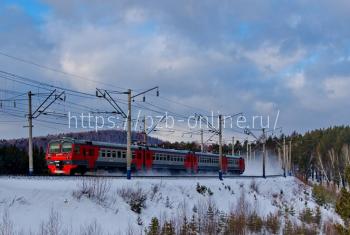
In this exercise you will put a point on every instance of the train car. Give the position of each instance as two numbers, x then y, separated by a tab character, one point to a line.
69	156
210	161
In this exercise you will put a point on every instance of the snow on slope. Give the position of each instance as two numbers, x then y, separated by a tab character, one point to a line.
29	200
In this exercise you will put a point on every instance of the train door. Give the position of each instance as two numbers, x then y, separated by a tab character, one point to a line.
139	159
194	163
224	164
148	159
241	165
188	162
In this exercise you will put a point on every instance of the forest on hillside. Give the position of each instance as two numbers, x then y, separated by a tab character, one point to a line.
322	153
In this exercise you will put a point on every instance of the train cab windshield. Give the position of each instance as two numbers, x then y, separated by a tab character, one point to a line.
66	147
54	147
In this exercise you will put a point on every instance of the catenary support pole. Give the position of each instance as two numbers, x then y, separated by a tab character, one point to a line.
144	131
128	138
264	153
202	143
220	147
284	156
233	145
30	139
290	157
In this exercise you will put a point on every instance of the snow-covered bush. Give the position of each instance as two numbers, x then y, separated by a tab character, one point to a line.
6	224
254	186
272	223
136	198
254	223
91	229
93	188
53	226
323	196
201	189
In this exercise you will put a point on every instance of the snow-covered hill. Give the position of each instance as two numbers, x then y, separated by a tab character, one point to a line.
76	203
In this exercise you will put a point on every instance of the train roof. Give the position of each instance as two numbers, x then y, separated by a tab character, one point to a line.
214	155
169	150
99	143
113	145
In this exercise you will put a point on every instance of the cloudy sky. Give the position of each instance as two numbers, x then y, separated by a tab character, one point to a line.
249	56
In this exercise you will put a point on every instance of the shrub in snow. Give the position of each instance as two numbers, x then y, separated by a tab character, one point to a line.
6	224
272	223
93	188
168	228
322	196
139	221
53	226
136	198
210	193
201	189
254	223
154	227
92	229
235	224
289	210
306	216
254	186
329	227
194	209
168	204
154	191
293	229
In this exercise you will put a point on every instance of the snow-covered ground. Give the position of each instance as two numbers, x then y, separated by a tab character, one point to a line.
29	200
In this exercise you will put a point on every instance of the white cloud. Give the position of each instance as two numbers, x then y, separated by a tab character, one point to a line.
269	59
296	81
264	107
337	88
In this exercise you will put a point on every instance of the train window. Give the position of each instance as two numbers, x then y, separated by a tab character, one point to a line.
54	148
77	149
124	154
119	154
103	153
66	147
108	153
114	154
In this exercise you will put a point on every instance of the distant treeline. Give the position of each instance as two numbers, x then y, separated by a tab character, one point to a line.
14	160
